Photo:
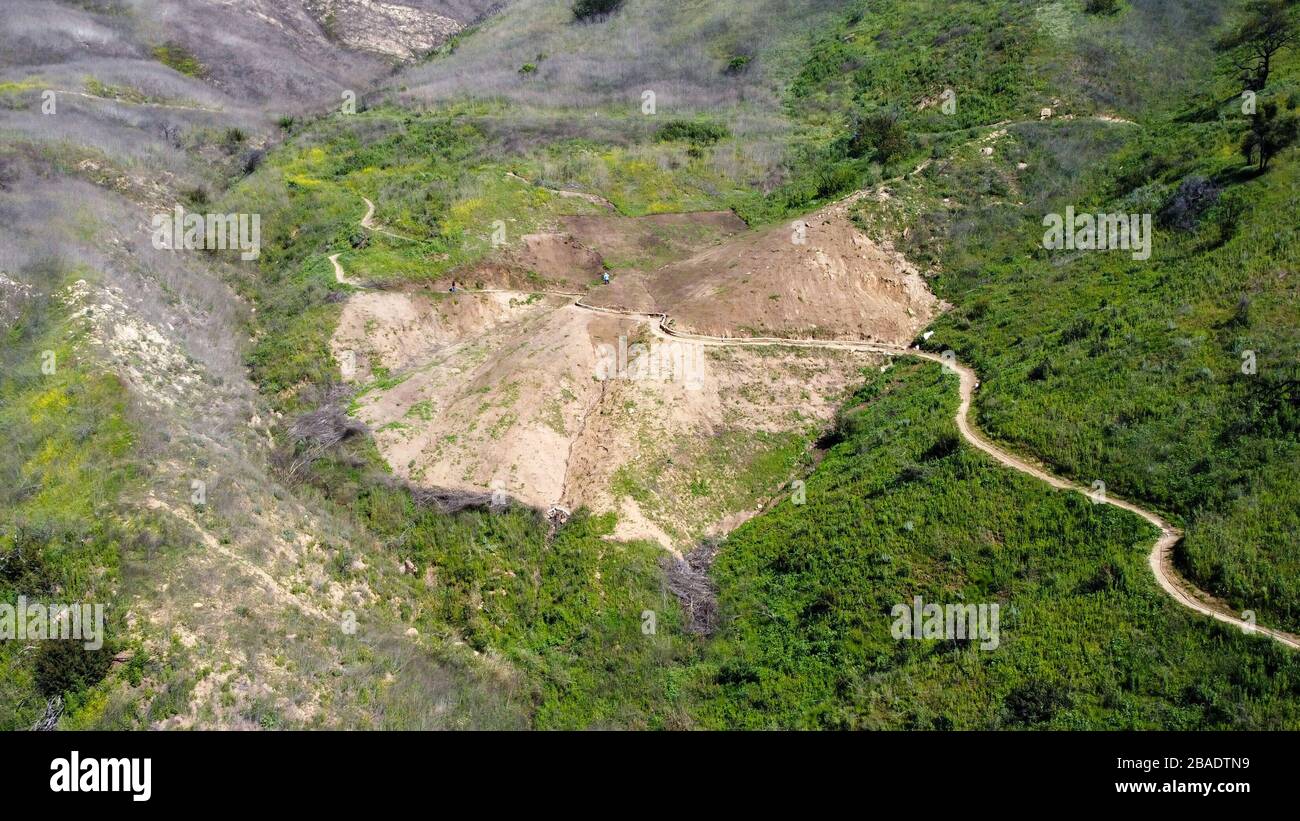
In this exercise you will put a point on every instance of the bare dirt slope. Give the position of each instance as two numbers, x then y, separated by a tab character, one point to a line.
516	388
496	408
648	242
404	30
507	392
819	277
550	260
399	330
572	255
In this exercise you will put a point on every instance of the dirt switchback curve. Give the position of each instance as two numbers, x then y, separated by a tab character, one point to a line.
1161	557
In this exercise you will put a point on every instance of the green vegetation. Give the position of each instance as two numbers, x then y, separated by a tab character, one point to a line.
867	100
1264	28
428	177
178	58
1268	134
67	463
1102	366
899	508
738	64
564	614
735	470
1101	6
587	9
99	89
1172	380
698	133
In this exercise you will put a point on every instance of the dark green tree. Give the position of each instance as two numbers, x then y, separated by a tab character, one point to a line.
1269	133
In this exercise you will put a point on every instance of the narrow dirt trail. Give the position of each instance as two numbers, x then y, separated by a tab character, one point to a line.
277	592
581	195
142	103
339	276
1161	557
368	223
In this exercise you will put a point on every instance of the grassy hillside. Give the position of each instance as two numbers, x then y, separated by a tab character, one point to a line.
1102	366
62	535
899	509
1127	371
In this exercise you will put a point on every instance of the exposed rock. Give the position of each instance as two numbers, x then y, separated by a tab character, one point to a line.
13	296
404	30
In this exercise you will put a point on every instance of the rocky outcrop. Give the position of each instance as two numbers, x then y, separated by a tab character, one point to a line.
403	30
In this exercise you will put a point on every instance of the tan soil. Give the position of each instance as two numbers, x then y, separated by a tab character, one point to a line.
400	329
645	243
661	433
501	396
573	256
543	261
496	409
836	284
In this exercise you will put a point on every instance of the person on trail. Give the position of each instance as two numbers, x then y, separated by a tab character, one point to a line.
605	277
453	286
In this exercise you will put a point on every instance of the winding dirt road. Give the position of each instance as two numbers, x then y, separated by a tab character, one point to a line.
1161	557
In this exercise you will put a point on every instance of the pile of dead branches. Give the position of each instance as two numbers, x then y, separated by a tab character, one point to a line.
454	501
314	433
688	580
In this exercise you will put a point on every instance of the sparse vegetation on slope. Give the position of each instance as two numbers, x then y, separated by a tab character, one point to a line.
176	56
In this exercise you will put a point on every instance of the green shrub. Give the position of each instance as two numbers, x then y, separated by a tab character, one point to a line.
178	58
1101	6
66	666
587	9
877	135
692	131
738	64
1035	702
